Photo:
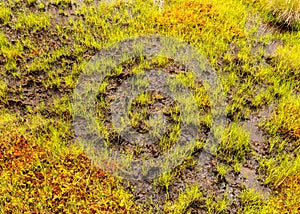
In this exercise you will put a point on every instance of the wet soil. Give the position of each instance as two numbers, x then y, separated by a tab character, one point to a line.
203	173
27	87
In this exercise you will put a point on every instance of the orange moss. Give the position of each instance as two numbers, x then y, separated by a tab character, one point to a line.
185	15
37	182
290	124
288	199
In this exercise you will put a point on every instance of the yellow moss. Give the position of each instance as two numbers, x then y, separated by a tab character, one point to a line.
287	199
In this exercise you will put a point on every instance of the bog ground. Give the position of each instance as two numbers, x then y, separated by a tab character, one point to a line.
253	46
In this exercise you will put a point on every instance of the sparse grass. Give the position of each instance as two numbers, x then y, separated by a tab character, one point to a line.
251	200
184	200
42	55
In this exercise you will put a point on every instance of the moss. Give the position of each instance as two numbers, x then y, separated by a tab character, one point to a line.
32	21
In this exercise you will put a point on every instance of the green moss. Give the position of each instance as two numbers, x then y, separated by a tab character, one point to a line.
3	91
5	14
32	21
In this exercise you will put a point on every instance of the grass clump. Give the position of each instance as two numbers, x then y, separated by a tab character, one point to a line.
251	201
184	200
286	59
32	21
281	167
11	53
217	204
234	144
286	12
5	14
3	92
286	199
286	119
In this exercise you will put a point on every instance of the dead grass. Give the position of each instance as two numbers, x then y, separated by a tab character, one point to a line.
286	11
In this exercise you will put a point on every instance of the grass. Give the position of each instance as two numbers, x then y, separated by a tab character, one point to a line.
5	13
50	177
282	13
33	22
287	198
3	93
286	119
234	145
185	199
44	185
286	12
45	46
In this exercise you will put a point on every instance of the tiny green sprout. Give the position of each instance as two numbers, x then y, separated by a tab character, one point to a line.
222	170
165	181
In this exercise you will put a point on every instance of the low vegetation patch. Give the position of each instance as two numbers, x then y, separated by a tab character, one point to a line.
286	12
45	46
32	180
